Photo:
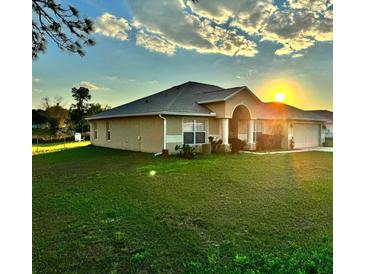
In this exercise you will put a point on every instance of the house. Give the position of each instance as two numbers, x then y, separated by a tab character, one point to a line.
328	116
191	112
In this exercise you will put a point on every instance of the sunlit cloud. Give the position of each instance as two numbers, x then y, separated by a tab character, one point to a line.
108	25
154	42
229	28
92	86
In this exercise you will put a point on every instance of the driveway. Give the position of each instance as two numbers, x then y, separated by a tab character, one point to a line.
322	149
325	149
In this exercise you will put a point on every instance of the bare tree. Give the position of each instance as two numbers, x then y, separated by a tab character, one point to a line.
61	25
45	103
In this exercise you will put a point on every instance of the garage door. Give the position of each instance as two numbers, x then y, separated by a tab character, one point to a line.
306	135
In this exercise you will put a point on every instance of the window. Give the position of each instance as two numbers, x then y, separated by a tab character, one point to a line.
95	130
194	131
258	129
108	134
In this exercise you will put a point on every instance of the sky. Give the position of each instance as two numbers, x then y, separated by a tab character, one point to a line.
143	47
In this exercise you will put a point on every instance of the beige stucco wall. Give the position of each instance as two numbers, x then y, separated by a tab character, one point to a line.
136	134
225	109
174	133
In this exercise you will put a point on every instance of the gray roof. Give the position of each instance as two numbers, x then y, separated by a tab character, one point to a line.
178	100
189	99
325	114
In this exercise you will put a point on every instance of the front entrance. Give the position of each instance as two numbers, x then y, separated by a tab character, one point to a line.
238	124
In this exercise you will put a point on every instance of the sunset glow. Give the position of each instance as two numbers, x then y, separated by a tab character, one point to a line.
280	97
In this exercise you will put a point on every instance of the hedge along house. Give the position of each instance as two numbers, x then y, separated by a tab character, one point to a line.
191	112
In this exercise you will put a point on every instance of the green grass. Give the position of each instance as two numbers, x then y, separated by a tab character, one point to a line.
54	147
98	210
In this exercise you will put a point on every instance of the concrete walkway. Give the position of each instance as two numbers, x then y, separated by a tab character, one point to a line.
323	149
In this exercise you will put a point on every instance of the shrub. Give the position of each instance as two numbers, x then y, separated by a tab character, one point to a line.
237	145
266	141
328	142
185	151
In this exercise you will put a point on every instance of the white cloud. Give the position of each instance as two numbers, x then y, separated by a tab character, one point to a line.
154	42
37	90
36	80
108	25
91	86
230	28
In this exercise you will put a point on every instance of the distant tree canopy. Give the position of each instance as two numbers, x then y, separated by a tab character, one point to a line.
60	119
93	109
61	25
38	116
79	109
55	115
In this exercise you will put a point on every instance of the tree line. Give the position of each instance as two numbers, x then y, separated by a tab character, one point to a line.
60	120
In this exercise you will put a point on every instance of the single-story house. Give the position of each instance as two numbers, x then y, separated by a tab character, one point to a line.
191	112
328	116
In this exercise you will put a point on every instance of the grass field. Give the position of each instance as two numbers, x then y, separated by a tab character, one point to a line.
53	147
98	210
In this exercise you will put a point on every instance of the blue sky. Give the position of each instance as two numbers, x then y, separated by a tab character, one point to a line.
143	47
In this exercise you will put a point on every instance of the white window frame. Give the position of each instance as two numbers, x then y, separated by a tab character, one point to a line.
95	130
195	131
108	131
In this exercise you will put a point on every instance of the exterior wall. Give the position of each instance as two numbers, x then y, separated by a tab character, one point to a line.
137	134
225	109
174	131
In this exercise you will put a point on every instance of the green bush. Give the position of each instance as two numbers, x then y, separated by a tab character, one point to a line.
266	141
237	145
328	142
186	151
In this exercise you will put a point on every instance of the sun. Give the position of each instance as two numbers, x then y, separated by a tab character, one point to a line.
280	97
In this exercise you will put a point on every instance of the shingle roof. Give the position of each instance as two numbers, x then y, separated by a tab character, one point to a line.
189	99
325	114
177	100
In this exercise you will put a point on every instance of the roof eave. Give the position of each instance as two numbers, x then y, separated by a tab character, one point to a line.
219	100
212	114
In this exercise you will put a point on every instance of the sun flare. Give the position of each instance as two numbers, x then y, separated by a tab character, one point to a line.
280	97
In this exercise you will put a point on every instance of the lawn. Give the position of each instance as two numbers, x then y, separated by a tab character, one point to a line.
98	210
53	147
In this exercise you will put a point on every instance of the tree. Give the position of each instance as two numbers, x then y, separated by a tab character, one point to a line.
79	110
38	116
62	25
81	96
93	109
45	103
55	115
